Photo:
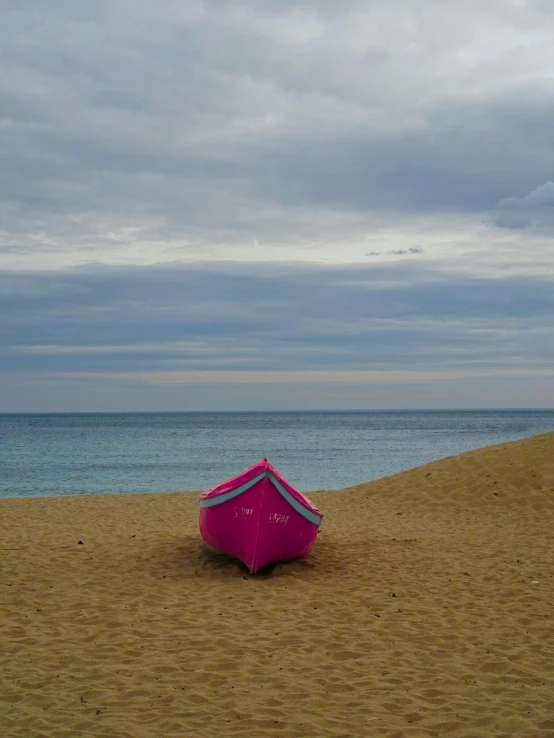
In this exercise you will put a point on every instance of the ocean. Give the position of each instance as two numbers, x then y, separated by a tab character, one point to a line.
86	453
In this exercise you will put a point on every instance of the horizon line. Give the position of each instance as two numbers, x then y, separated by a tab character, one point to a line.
272	411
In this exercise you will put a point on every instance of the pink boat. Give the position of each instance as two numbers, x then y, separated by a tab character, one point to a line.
259	518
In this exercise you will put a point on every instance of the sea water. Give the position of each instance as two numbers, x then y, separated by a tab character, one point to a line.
67	454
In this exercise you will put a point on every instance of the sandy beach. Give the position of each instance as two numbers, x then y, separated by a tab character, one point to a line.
425	609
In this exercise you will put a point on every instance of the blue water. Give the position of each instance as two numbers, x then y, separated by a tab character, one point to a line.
149	452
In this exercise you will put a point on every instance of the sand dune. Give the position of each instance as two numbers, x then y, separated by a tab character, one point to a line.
425	609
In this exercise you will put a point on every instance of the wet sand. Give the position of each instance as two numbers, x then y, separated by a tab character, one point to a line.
425	609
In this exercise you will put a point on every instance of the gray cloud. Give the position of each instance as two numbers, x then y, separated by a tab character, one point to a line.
259	317
270	333
399	252
198	119
534	210
136	133
411	250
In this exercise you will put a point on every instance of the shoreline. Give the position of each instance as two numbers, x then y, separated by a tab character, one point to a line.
424	609
126	455
502	444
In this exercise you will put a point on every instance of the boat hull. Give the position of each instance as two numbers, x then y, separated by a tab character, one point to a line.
261	524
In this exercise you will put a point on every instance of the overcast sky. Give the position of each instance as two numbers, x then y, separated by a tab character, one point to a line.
276	205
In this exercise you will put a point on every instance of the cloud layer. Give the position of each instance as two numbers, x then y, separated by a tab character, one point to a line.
360	189
169	130
332	330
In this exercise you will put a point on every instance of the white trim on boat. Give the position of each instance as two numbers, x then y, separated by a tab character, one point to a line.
219	499
293	502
